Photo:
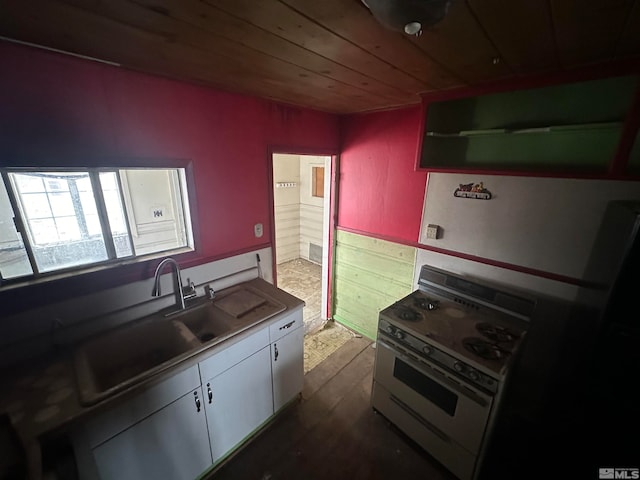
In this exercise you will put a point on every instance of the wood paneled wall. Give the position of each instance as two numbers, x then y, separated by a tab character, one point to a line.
287	218
370	274
310	228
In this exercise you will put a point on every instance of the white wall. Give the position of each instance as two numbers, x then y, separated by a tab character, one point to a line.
298	214
286	168
546	224
311	208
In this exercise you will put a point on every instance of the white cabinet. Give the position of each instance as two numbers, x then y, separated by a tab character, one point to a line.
171	444
287	358
180	427
238	401
161	433
236	382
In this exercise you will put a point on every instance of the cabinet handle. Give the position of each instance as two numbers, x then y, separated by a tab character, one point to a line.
287	325
197	400
275	352
209	392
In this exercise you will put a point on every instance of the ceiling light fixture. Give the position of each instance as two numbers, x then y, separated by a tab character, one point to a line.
408	16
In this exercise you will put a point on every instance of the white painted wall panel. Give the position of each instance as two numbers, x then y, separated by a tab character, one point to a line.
547	224
286	168
310	228
287	218
311	208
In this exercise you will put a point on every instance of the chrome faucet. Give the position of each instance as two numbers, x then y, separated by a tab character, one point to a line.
181	296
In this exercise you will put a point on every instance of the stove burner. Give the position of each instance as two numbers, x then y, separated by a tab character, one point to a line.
406	313
496	333
485	349
426	303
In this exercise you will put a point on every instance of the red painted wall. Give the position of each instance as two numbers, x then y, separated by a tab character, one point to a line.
59	110
380	191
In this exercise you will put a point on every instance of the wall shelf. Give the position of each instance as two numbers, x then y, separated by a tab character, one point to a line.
579	127
571	126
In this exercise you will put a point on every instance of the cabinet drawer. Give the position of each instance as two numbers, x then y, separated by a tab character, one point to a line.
122	416
286	325
224	359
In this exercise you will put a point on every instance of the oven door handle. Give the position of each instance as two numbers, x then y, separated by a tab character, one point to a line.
436	376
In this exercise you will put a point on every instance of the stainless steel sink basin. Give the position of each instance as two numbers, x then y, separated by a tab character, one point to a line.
204	322
115	360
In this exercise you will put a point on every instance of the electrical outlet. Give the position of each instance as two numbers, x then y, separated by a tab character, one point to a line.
432	231
257	230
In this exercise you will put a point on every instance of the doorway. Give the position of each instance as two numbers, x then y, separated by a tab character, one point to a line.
302	208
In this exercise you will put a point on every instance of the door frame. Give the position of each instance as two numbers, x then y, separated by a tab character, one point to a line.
326	313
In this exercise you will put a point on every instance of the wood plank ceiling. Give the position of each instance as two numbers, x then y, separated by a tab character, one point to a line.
330	55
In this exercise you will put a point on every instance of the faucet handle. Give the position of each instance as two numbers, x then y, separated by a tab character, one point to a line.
189	291
209	292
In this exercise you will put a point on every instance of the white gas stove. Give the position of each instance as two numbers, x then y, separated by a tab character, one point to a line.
443	360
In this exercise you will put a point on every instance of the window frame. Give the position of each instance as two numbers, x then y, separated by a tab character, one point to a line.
186	183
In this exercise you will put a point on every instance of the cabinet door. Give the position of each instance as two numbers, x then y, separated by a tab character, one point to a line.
287	367
171	444
237	402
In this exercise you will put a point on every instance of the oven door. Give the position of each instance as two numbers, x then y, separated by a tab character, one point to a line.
452	409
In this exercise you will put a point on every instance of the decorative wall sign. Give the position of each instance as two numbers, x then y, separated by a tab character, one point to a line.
472	190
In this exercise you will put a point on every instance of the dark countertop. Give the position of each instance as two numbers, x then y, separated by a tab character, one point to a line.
41	397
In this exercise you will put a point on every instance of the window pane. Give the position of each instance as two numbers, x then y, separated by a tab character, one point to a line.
44	231
88	203
36	205
61	204
93	225
115	212
68	229
29	184
14	261
60	232
155	208
54	184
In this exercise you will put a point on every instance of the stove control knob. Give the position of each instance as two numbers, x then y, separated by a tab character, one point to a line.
399	335
427	350
458	367
390	329
473	375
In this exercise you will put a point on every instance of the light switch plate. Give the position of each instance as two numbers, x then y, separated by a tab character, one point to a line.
257	230
432	231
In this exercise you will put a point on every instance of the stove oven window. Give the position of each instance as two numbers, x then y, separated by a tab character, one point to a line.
429	389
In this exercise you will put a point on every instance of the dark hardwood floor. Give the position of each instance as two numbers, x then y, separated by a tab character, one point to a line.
333	433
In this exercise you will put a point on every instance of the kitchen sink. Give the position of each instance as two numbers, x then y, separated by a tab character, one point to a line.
204	322
115	360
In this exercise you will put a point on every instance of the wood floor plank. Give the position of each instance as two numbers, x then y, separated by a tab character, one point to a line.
334	433
320	375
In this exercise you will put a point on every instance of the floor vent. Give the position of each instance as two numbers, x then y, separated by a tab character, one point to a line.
315	253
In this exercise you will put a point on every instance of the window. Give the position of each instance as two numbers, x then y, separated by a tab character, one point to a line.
317	182
55	220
